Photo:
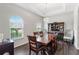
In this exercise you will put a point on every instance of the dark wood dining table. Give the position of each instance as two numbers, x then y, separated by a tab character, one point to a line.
47	42
42	40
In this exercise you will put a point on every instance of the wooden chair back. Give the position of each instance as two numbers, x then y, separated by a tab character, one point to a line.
32	42
51	37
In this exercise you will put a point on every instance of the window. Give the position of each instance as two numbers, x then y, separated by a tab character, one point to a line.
16	27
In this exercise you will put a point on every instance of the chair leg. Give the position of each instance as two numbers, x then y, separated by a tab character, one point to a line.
44	52
37	53
41	52
29	52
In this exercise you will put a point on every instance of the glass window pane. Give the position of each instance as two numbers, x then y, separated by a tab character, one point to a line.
16	27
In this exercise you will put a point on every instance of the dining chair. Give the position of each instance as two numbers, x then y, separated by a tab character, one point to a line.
51	37
34	45
53	43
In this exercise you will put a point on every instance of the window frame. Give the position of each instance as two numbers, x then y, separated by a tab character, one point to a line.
21	28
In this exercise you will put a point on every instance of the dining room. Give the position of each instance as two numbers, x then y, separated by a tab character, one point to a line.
39	28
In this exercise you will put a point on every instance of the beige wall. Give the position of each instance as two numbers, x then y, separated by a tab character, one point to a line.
30	19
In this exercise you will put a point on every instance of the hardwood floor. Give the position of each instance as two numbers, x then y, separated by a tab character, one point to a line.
22	50
68	50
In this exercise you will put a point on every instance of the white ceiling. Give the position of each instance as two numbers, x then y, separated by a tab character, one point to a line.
48	9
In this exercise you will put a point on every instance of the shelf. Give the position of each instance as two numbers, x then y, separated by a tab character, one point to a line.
56	26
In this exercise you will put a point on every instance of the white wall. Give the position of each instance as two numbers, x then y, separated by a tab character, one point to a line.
76	26
30	19
78	29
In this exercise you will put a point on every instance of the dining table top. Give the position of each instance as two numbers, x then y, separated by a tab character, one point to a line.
43	40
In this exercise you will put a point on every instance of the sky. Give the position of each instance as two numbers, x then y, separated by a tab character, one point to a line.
16	22
16	19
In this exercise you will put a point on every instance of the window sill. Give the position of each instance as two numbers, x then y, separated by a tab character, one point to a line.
15	39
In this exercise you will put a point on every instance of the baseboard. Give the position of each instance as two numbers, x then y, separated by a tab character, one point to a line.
20	45
76	47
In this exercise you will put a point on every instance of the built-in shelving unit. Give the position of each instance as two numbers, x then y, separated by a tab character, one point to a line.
56	27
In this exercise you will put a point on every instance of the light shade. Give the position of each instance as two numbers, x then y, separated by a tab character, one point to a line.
38	27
